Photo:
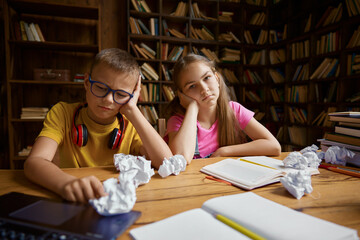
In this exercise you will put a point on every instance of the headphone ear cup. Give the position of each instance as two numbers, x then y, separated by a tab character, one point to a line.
80	135
115	139
84	134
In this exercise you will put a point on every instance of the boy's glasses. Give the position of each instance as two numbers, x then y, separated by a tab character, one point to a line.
101	90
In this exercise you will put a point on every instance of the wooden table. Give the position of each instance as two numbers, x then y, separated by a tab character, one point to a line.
336	197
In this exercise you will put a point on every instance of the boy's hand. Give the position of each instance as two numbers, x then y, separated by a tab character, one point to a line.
186	101
83	189
133	101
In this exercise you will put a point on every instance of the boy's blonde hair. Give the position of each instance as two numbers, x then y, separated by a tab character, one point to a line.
229	132
119	60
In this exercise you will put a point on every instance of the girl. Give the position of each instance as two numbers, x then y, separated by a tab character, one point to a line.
205	123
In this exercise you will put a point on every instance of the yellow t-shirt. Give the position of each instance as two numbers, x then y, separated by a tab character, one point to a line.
58	126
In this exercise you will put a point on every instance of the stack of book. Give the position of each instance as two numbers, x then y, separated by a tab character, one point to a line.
141	6
355	39
33	112
353	7
346	134
228	37
353	65
327	68
331	15
230	55
28	31
225	16
258	18
181	10
149	72
149	113
204	33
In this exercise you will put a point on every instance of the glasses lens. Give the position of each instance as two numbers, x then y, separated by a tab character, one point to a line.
121	97
99	89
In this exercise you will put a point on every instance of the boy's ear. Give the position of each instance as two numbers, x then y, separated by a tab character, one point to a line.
86	81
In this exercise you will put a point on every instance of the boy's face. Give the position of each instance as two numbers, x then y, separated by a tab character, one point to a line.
104	110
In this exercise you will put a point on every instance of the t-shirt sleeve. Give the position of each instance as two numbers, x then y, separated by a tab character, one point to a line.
242	114
55	123
173	125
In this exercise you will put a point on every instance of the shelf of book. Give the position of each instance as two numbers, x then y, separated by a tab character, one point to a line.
172	29
63	37
317	66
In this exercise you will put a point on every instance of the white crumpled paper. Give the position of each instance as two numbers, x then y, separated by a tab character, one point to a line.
337	155
297	183
126	162
309	158
174	165
121	197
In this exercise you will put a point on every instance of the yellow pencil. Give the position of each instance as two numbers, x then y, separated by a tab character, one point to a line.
244	160
239	228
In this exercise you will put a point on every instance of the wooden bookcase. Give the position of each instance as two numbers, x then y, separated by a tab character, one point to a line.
285	23
71	35
330	93
162	10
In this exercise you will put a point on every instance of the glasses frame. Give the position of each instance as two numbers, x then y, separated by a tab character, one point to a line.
109	90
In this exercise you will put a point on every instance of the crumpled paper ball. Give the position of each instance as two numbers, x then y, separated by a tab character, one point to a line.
126	162
337	155
297	183
302	161
174	165
121	196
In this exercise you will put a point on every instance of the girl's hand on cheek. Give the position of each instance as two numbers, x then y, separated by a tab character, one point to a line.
186	101
133	101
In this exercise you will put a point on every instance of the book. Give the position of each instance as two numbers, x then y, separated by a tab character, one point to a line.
344	119
250	172
342	138
348	131
260	216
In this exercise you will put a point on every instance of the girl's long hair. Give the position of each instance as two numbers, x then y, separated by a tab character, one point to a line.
229	132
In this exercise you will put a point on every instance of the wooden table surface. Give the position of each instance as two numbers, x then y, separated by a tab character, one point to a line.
336	197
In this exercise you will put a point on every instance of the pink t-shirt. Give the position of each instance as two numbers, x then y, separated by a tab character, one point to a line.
208	138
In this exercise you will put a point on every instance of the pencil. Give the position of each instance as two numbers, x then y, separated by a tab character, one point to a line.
239	228
244	160
349	172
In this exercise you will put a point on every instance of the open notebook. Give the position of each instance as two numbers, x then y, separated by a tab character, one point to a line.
250	172
266	218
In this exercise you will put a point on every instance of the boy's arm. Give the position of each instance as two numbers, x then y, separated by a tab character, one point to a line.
264	143
40	169
153	144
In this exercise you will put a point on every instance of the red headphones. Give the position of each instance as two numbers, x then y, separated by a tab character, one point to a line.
80	132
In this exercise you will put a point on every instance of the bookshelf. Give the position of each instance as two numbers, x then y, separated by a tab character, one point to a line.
317	75
71	34
211	28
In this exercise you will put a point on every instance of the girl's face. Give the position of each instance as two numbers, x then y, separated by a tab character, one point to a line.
200	83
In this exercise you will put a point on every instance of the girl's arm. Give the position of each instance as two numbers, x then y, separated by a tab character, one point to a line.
40	169
184	140
264	143
153	145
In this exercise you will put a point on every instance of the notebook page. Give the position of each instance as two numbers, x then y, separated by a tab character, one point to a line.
192	224
275	221
275	163
236	171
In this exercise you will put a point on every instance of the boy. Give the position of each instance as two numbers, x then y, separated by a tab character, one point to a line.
90	134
